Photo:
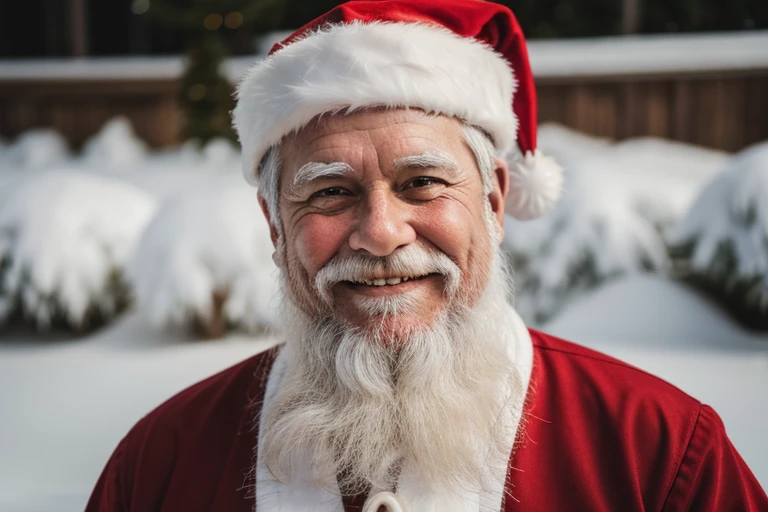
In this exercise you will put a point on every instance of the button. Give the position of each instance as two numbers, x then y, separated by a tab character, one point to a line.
384	502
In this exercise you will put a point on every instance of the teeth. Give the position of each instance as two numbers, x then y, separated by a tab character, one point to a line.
383	282
391	281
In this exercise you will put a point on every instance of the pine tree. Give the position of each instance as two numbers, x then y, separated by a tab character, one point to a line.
206	94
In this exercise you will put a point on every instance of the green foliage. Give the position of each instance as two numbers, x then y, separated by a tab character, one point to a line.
745	297
209	27
191	15
206	94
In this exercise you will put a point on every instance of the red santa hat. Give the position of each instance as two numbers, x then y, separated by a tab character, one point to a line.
461	58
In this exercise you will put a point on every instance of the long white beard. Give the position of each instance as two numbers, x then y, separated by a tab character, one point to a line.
352	408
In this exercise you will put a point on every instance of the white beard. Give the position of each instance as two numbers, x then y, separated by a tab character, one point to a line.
352	408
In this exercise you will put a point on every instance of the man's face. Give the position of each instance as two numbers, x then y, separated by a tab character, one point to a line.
374	184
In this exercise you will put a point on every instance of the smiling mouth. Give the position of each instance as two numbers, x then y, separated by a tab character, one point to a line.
389	281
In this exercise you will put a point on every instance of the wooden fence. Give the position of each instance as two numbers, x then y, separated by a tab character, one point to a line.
79	108
726	110
708	90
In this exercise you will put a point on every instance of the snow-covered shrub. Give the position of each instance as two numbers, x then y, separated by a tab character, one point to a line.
205	262
35	149
596	232
664	176
723	240
115	146
222	152
566	145
618	200
64	240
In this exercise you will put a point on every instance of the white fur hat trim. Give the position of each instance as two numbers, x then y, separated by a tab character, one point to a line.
350	66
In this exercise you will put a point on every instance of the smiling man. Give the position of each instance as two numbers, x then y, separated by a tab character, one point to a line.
388	138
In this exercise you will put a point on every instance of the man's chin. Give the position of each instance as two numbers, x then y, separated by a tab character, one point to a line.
392	330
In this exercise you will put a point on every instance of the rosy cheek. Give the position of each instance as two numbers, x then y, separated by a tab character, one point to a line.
449	227
318	239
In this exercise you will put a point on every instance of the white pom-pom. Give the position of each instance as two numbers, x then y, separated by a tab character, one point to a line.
536	182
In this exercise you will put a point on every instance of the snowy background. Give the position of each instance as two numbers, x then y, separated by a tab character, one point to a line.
117	262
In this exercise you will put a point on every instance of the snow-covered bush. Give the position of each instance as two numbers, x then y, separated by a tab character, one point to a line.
221	152
596	232
115	146
64	240
205	262
567	145
723	240
618	200
664	176
34	149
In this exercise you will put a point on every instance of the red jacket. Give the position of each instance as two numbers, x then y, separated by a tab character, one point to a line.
598	434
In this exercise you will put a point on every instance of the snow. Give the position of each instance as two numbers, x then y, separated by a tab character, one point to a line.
732	212
34	149
618	201
93	68
72	402
70	228
647	54
115	145
64	238
652	311
209	241
639	54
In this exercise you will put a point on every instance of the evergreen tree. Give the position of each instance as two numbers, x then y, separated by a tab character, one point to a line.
209	27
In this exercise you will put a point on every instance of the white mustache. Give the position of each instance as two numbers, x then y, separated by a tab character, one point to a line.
410	261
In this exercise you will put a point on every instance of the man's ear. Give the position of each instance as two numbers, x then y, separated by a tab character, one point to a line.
499	191
272	228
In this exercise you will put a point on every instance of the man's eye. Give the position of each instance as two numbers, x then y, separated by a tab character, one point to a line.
330	192
421	182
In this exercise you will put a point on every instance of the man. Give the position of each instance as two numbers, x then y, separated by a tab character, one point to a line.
407	381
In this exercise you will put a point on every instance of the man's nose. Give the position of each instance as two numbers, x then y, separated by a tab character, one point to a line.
383	225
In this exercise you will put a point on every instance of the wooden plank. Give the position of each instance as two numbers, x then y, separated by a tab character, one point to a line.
658	110
732	112
726	110
682	111
756	110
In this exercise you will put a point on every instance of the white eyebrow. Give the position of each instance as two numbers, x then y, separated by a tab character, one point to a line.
317	170
432	159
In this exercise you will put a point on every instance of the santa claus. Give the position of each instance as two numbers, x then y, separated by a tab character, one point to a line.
388	138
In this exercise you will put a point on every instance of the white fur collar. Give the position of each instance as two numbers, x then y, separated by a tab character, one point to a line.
274	496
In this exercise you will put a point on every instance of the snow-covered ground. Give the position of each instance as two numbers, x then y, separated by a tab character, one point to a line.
67	401
66	404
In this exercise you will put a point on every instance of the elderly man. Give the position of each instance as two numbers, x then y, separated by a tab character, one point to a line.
380	135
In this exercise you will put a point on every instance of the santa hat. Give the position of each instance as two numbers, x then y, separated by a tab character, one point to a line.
461	58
